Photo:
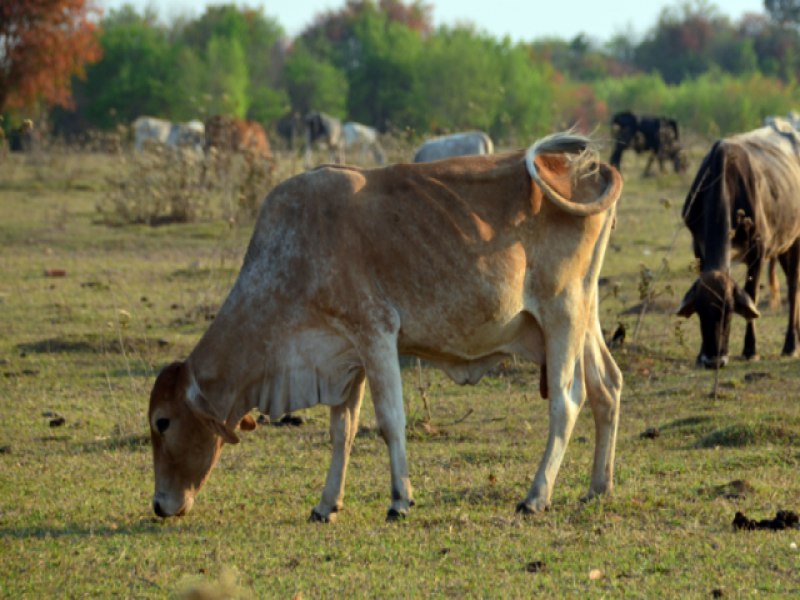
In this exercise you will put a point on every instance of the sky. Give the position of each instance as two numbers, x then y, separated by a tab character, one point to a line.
522	20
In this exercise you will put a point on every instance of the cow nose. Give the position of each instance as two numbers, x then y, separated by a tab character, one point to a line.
158	510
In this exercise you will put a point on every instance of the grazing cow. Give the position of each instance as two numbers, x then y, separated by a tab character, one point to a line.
657	135
290	127
230	134
743	204
24	138
462	262
792	119
457	144
177	135
147	129
187	135
323	130
356	136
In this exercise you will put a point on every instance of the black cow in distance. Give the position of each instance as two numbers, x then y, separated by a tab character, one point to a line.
658	135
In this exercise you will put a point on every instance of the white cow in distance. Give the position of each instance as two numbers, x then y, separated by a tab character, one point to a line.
466	143
178	135
363	138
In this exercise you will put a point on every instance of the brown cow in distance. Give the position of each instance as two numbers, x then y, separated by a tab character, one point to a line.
229	134
463	262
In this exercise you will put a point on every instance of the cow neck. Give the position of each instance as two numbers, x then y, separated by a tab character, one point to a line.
717	239
718	205
226	366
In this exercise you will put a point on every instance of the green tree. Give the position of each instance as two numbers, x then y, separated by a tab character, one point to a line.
261	41
461	80
226	82
313	84
783	11
382	82
132	77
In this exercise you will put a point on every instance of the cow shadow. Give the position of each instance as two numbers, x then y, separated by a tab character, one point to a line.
151	526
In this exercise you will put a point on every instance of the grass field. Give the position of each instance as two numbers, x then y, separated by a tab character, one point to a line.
75	514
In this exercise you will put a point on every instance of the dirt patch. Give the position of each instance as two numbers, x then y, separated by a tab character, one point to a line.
737	489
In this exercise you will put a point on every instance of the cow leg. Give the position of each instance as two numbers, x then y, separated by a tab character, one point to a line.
604	388
649	164
385	384
344	425
754	266
790	262
567	391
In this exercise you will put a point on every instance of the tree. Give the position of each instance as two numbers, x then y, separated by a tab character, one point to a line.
260	38
784	11
131	78
43	43
314	84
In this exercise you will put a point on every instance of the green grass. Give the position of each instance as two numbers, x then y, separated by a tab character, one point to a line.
75	517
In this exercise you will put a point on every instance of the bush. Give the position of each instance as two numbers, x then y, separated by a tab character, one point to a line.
177	185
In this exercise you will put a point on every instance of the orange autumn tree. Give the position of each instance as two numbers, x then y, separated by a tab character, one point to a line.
43	44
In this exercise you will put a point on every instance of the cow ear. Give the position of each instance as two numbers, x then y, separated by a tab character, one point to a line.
743	304
687	307
248	423
206	413
222	430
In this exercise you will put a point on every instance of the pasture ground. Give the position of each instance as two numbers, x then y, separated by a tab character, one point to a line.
75	516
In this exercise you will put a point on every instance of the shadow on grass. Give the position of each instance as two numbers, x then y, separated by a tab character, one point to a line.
738	436
149	526
91	344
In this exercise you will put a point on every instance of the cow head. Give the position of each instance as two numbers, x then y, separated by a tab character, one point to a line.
715	297
186	439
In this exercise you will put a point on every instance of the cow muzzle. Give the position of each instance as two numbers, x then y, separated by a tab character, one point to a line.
164	507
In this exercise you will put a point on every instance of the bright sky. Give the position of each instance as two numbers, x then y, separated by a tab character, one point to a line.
523	20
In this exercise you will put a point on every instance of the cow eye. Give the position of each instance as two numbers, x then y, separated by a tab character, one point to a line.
162	424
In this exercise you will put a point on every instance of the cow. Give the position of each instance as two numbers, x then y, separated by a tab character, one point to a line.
658	135
229	134
461	262
743	204
457	144
323	130
24	138
150	130
357	136
187	135
290	127
792	119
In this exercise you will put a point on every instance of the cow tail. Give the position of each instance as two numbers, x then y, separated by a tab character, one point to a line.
571	143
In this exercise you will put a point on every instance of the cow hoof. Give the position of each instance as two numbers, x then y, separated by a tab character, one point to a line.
752	357
316	517
590	495
524	508
395	515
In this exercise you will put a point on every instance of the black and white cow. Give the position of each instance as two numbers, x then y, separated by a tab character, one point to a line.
743	204
658	135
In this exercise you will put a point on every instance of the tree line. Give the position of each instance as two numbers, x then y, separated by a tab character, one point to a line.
382	62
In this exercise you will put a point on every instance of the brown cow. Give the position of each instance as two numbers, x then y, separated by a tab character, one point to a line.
462	262
229	134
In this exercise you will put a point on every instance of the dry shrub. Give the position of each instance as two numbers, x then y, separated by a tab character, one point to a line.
163	184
